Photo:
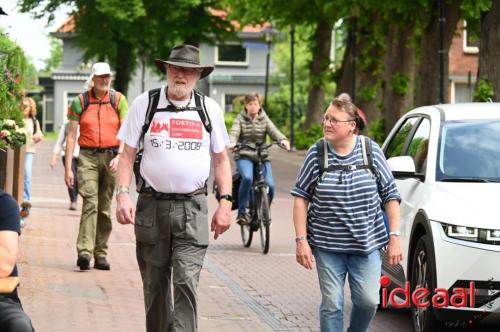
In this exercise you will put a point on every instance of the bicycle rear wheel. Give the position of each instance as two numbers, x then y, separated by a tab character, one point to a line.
263	217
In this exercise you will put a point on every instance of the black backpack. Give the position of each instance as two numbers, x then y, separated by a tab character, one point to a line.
366	148
154	97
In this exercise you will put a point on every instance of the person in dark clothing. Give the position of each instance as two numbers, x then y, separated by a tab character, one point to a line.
12	316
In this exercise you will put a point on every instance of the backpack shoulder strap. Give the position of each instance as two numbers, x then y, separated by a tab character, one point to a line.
85	100
154	97
366	146
113	97
201	108
322	163
323	156
35	124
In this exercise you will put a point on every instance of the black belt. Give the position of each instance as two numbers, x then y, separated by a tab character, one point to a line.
113	150
150	192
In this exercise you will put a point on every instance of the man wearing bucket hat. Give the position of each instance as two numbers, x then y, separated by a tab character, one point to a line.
168	128
98	112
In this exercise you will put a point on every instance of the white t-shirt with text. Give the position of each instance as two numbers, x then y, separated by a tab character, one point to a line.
177	147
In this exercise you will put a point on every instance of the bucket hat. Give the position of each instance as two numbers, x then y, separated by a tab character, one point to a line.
184	56
101	68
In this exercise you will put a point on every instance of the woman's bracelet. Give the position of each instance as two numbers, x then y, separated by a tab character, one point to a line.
301	238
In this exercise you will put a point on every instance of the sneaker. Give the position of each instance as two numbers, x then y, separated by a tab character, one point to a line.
102	264
242	219
83	262
72	206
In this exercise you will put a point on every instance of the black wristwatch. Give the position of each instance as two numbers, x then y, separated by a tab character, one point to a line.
228	198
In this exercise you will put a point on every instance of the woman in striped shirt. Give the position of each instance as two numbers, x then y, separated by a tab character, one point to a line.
339	223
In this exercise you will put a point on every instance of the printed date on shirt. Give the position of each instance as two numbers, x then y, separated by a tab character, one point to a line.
179	145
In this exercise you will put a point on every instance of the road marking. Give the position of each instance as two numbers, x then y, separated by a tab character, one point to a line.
265	315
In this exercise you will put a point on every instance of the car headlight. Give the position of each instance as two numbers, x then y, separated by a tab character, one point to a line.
473	234
493	235
462	232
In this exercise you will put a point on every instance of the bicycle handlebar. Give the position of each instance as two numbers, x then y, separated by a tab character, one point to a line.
259	146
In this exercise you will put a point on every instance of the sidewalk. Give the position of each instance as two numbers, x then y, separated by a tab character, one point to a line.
58	297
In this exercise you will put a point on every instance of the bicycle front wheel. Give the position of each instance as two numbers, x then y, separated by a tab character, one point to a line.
246	235
264	218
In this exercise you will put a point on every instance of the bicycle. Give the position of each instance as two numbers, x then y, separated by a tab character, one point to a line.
258	206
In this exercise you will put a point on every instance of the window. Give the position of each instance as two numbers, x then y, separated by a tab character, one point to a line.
462	92
419	145
235	55
228	102
469	149
471	42
395	147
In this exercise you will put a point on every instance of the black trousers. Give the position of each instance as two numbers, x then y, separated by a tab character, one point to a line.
12	316
73	192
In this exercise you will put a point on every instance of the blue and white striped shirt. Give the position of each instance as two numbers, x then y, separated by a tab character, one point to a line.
345	213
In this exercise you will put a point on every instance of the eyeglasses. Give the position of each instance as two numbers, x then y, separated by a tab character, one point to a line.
333	121
185	70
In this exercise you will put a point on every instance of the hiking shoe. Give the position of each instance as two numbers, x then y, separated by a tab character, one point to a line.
242	219
26	205
83	262
25	209
102	264
72	206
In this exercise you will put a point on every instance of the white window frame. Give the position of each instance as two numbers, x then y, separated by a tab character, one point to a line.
223	99
230	63
468	49
452	88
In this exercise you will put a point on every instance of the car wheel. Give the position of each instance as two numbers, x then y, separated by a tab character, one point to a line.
423	274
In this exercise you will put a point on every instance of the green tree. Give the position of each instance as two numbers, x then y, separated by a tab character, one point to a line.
489	47
320	16
126	32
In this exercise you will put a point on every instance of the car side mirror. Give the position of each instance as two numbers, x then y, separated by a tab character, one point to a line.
404	167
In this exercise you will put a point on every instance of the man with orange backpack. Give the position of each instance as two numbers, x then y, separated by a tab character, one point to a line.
99	112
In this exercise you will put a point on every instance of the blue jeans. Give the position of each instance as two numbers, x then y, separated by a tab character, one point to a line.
364	281
245	168
28	166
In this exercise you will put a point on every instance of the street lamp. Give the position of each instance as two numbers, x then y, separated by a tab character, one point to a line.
268	34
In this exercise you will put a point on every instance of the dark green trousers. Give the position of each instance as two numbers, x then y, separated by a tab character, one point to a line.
95	184
172	239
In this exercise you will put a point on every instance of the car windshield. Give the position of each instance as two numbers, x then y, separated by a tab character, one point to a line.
469	151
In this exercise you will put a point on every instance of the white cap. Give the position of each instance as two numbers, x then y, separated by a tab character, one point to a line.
101	68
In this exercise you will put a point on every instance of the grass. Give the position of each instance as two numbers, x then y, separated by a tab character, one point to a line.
51	135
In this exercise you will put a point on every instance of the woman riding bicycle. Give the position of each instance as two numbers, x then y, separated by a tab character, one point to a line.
251	127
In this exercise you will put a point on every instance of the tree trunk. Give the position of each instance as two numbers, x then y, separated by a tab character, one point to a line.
344	81
124	66
428	67
317	72
489	49
399	74
365	77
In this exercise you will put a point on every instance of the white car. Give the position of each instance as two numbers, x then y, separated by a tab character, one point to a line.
446	161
